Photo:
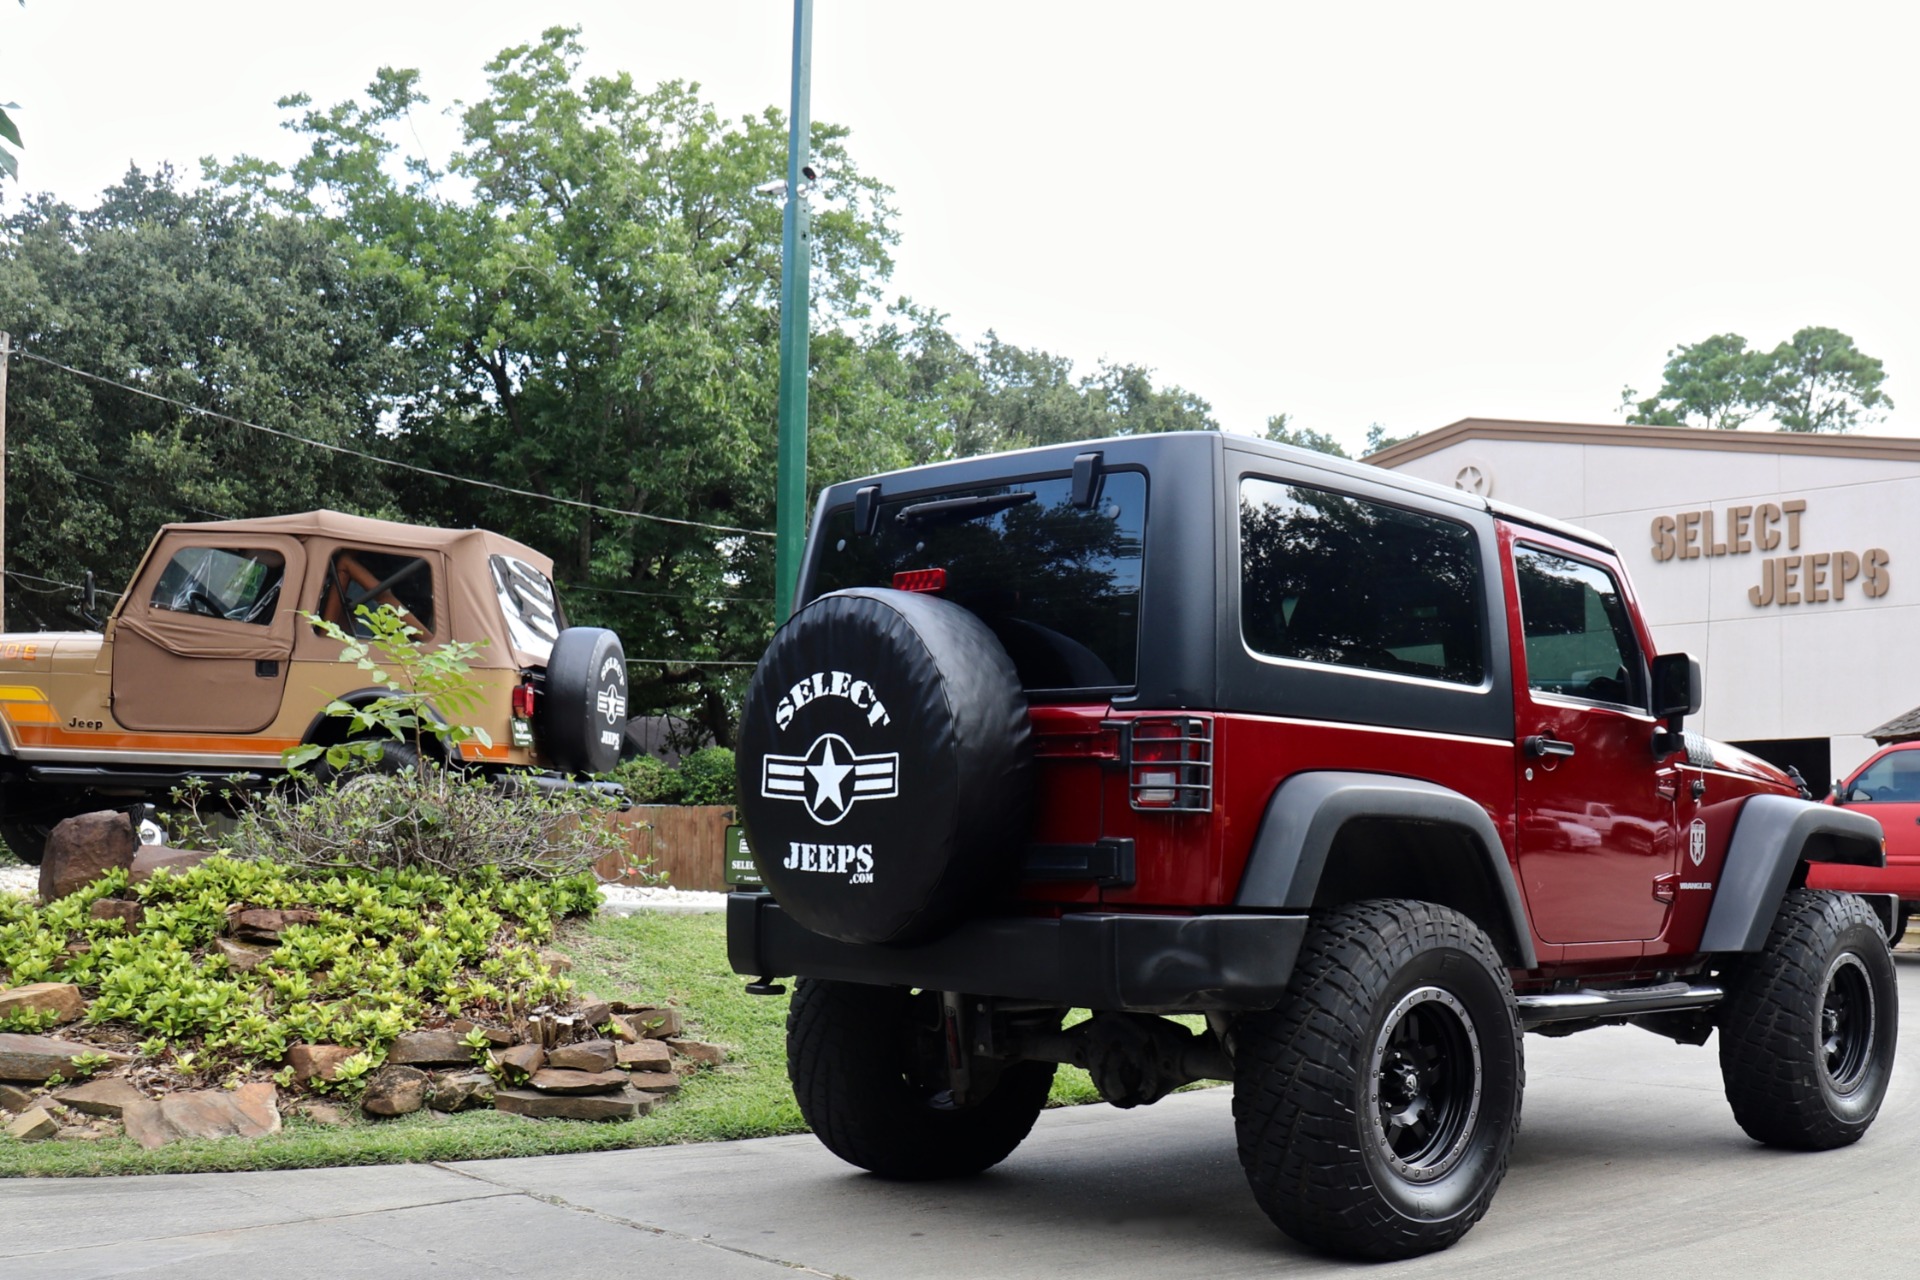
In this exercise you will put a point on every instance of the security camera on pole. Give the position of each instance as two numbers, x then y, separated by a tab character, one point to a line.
790	492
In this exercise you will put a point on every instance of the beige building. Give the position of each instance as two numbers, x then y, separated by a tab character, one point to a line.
1781	561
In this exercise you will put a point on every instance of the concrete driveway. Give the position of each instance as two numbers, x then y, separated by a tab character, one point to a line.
1629	1161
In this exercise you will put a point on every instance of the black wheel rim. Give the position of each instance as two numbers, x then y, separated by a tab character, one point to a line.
1423	1084
1847	1018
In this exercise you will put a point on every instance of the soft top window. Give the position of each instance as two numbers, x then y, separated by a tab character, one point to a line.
1058	584
237	584
527	598
357	577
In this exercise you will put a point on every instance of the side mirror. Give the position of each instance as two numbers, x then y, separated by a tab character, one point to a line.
1677	684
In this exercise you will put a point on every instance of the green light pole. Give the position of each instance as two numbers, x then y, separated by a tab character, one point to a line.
790	488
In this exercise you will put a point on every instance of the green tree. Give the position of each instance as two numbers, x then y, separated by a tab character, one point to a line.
1819	381
1717	382
200	297
1280	431
1378	439
9	163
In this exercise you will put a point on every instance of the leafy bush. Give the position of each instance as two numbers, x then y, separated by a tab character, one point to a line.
648	780
433	819
707	777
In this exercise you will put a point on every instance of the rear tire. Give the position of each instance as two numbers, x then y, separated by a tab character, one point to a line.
1807	1039
866	1065
27	841
1376	1108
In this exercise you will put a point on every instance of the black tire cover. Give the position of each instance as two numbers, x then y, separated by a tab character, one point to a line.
582	713
885	766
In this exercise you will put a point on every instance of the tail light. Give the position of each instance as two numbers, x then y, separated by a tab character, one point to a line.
522	701
1170	764
928	580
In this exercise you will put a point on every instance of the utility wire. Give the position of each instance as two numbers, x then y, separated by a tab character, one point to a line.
665	595
692	662
389	462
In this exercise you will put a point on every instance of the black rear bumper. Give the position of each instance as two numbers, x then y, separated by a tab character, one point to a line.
1091	960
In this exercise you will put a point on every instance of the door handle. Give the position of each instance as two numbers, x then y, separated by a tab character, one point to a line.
1540	744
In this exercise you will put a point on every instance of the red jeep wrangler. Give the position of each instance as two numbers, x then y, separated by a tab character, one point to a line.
1372	775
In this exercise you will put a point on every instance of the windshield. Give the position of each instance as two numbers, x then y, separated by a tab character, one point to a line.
1058	584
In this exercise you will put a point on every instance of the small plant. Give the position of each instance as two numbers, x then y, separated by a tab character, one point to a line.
29	1021
425	687
708	778
89	1062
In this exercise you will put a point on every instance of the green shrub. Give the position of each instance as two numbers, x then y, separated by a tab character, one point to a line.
707	777
648	780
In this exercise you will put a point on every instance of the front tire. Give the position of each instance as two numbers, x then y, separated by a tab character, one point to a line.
866	1065
1376	1108
1807	1039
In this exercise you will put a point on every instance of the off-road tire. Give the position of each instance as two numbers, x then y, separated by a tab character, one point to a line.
1808	1032
855	1056
27	841
581	716
1392	1002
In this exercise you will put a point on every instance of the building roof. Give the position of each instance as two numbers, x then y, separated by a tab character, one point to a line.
1888	448
1898	729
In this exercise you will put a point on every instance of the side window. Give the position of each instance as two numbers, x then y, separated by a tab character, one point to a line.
373	578
1892	779
232	583
1339	580
1579	640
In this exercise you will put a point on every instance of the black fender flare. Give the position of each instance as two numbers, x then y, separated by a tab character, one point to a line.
1307	812
1772	836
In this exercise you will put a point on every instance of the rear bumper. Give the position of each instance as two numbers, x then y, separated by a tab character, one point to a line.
1091	960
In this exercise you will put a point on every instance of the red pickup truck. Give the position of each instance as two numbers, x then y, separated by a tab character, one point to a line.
1886	788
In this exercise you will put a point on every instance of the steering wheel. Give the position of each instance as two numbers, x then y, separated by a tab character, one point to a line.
198	601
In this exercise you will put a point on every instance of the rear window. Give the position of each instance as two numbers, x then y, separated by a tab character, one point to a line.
534	617
1339	580
1058	584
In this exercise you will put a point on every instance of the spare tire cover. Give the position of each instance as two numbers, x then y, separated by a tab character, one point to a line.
885	766
582	712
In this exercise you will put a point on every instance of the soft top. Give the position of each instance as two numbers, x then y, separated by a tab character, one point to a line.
477	543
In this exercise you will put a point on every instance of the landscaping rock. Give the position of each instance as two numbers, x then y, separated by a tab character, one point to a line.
594	1016
559	1080
587	1055
62	999
459	1090
36	1124
604	1106
38	1058
264	925
524	1058
15	1099
107	1097
395	1091
241	957
312	1062
127	913
322	1113
495	1035
158	857
84	848
557	961
646	1055
656	1024
711	1055
250	1111
78	1133
660	1082
440	1047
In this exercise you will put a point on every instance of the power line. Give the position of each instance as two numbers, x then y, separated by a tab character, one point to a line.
664	595
693	662
389	462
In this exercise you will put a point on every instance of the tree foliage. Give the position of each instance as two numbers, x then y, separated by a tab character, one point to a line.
1816	381
580	301
1280	431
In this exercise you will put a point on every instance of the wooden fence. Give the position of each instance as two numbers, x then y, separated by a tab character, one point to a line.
686	844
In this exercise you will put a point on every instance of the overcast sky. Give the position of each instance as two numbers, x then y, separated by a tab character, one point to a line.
1404	214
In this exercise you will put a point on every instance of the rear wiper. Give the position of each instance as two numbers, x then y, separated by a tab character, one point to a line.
955	510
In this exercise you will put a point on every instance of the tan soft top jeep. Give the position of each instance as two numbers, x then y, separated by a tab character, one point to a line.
206	668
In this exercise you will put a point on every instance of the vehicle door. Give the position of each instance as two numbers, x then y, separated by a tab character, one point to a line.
1597	812
202	642
1887	789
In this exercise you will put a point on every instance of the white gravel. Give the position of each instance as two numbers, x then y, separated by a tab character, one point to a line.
617	899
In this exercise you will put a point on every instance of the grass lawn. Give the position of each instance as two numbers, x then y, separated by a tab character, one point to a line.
644	958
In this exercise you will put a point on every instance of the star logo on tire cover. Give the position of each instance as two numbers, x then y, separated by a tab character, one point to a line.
830	778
